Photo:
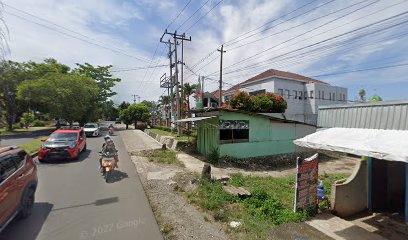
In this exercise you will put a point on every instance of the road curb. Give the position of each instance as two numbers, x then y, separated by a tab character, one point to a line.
34	155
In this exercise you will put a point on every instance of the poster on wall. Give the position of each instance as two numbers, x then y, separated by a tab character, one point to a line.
234	124
306	183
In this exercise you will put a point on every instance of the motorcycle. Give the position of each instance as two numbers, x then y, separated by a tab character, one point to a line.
110	131
108	165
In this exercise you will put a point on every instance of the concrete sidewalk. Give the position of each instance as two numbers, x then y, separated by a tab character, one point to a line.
137	141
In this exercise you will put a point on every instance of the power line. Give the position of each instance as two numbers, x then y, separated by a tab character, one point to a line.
235	39
362	70
192	25
182	10
304	23
320	42
87	38
138	68
297	36
185	21
287	20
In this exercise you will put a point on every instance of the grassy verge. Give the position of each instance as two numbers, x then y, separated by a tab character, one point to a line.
163	156
33	145
271	203
167	133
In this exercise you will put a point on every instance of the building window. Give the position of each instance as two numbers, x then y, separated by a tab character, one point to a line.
234	131
300	95
280	92
330	96
287	93
323	95
295	94
227	98
305	95
311	94
320	95
254	93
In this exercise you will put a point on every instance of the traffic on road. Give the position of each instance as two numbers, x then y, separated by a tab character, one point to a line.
80	193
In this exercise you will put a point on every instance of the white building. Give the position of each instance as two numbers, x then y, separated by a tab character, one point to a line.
302	94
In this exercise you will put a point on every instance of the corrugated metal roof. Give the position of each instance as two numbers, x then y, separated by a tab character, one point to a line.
391	115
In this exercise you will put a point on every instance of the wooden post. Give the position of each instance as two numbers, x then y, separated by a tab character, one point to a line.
406	193
369	183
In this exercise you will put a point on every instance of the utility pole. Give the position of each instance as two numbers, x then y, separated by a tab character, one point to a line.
134	98
176	82
179	130
171	84
202	91
220	89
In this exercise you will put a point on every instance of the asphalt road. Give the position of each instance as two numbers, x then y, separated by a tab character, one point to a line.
74	202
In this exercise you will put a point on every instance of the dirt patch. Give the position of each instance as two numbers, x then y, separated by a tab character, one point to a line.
270	163
177	218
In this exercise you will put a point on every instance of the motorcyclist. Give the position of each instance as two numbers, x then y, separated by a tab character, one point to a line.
109	146
110	129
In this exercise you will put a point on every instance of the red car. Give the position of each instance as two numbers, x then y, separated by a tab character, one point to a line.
65	143
18	183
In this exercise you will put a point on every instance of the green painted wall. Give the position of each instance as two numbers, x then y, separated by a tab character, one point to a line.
208	136
265	137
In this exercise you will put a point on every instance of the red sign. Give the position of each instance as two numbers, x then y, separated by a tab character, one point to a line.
306	183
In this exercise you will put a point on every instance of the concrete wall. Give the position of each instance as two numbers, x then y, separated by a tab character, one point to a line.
350	197
169	141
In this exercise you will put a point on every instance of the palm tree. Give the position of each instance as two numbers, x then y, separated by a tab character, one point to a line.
362	94
188	90
165	101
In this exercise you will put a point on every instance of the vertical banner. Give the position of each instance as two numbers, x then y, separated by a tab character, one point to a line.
199	96
306	183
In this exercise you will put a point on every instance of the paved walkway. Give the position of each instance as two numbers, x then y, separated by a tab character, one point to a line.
340	229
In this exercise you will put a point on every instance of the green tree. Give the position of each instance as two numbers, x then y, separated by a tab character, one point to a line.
123	105
27	119
103	78
188	90
375	98
65	96
164	102
125	116
135	113
110	112
11	75
362	94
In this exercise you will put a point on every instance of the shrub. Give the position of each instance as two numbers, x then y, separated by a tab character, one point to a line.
263	103
268	102
280	105
27	119
242	101
38	123
213	157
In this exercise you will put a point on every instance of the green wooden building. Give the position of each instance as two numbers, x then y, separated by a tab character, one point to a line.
243	135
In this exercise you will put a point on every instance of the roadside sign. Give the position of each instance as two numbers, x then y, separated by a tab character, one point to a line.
306	183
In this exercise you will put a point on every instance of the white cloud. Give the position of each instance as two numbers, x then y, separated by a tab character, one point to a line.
115	23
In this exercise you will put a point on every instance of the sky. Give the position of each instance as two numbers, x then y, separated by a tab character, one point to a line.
354	44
